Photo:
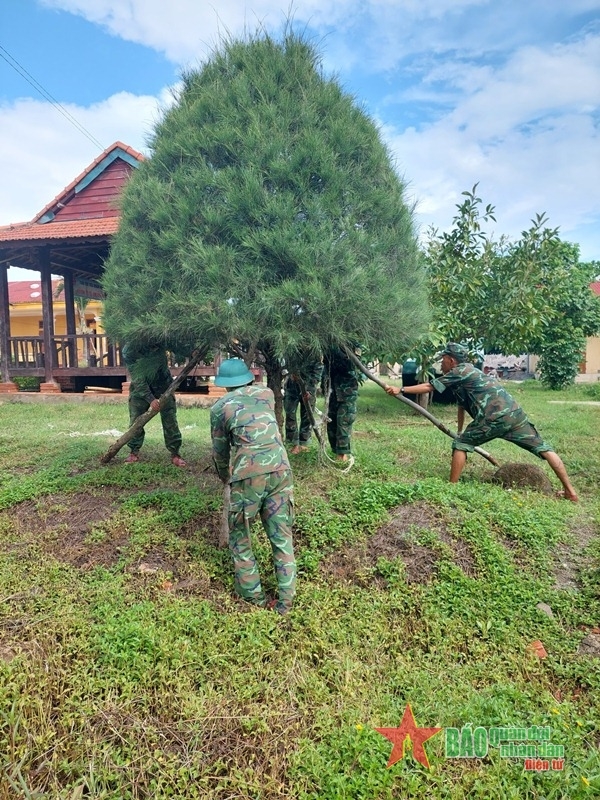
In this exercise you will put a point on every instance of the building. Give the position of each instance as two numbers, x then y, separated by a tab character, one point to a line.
70	237
590	367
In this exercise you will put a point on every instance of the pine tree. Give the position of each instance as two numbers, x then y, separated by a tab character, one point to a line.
269	213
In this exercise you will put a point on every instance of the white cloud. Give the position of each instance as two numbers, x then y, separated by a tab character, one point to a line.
41	152
534	83
187	30
526	131
523	122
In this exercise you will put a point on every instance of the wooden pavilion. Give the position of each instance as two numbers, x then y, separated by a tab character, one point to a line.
70	237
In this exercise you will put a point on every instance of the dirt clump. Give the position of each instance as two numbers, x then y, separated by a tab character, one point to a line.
358	563
515	475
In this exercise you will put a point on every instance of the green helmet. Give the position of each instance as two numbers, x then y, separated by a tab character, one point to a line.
233	372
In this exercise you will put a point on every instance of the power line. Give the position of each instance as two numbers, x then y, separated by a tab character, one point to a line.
20	69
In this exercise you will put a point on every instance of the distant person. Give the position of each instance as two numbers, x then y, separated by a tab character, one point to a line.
410	369
150	378
496	415
301	391
249	454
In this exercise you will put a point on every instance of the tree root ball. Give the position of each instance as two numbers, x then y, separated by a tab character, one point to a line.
523	476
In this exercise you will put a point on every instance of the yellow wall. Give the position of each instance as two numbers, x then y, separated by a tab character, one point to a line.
26	318
592	355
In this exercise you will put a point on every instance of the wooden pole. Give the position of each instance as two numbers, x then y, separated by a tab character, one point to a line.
419	409
224	529
139	423
309	411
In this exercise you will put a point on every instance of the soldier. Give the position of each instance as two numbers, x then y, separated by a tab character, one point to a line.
151	377
496	415
249	454
341	409
300	390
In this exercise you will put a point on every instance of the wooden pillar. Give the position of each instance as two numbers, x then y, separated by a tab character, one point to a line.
6	385
70	312
49	384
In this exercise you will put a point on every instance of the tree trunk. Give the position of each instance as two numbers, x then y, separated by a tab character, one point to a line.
274	372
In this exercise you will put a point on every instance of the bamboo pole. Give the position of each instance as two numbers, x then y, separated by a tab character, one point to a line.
224	528
141	421
419	409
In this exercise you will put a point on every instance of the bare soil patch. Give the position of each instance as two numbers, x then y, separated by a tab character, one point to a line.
63	526
357	563
79	512
164	572
206	527
569	558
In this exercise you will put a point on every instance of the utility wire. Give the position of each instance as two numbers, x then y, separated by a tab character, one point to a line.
12	61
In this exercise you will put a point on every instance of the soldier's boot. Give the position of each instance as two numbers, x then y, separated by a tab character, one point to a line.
278	607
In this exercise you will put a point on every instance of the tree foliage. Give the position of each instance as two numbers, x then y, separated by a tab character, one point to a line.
527	296
269	213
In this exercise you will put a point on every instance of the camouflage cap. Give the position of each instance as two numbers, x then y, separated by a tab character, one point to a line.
457	351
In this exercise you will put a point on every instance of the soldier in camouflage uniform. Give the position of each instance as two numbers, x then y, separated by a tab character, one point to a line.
150	378
300	389
343	397
249	454
496	415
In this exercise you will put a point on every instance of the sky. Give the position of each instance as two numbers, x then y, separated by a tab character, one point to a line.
500	93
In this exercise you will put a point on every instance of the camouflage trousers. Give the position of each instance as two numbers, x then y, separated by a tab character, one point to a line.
518	430
292	399
342	413
168	416
271	496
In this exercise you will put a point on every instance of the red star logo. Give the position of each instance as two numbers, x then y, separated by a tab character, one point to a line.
408	730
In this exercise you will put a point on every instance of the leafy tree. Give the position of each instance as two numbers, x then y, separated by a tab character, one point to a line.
269	214
531	295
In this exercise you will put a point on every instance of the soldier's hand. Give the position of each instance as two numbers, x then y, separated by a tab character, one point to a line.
155	405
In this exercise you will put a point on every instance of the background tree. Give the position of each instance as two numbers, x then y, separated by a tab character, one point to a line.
269	213
528	296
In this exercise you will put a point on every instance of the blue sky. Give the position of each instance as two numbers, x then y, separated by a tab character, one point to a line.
504	93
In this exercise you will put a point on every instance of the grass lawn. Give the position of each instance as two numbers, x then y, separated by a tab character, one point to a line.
128	669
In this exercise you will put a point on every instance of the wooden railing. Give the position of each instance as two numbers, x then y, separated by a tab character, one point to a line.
71	351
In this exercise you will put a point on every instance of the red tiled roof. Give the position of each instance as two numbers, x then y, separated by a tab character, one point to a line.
29	291
75	229
595	287
73	184
72	229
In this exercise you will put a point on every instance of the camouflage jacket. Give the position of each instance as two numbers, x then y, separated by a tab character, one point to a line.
309	372
244	432
481	396
341	370
149	371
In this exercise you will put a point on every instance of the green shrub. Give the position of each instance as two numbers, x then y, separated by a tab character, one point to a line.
27	384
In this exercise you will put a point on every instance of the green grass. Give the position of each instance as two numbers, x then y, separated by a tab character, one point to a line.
129	670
